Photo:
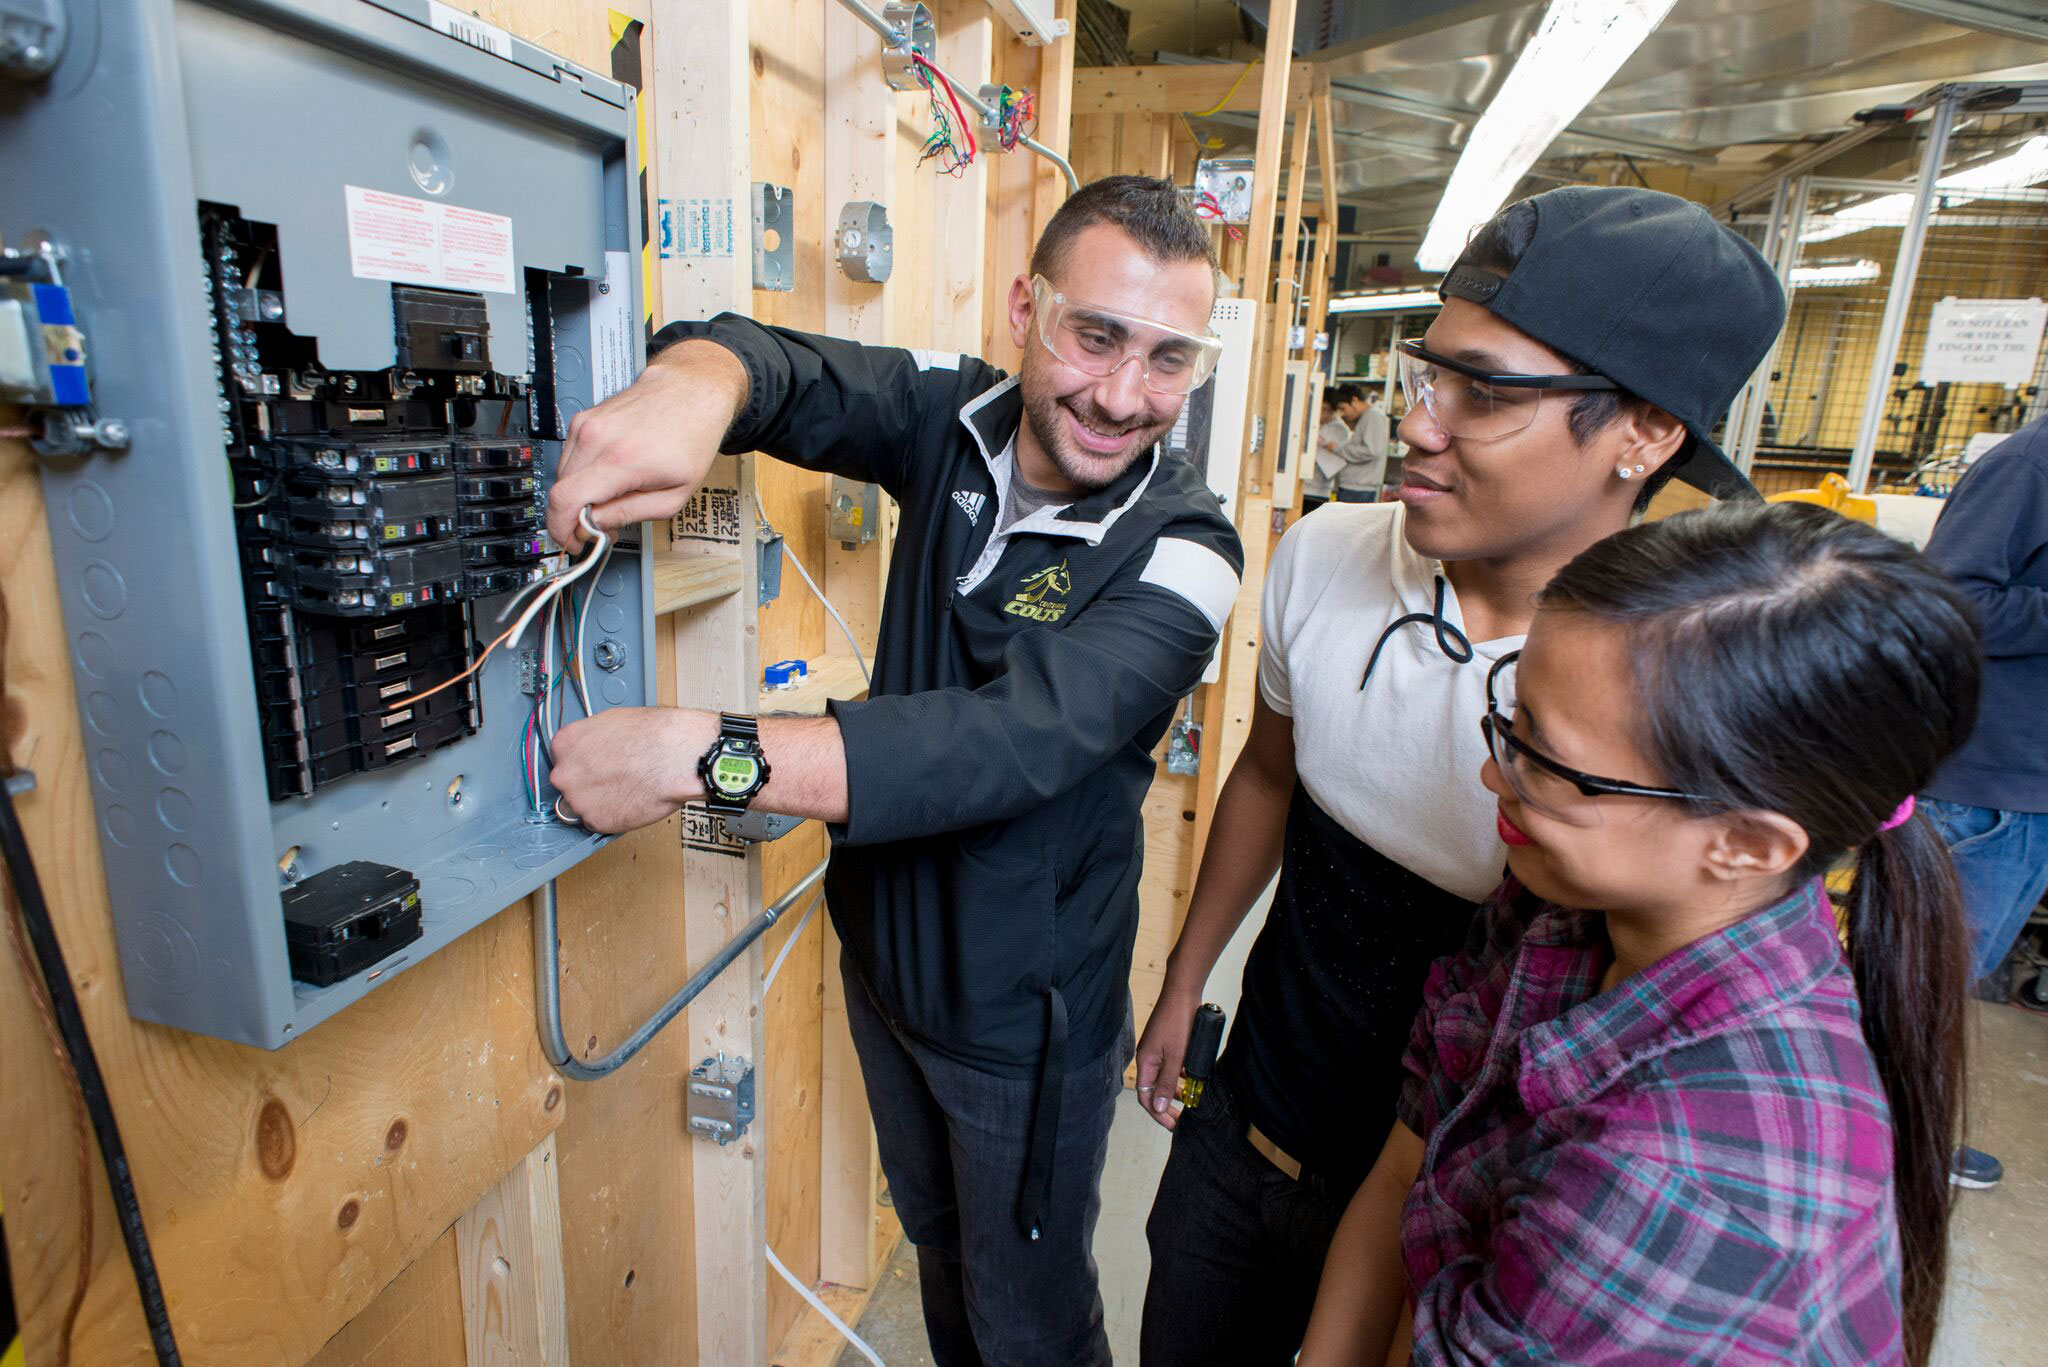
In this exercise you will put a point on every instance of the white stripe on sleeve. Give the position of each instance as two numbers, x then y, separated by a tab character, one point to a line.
1196	573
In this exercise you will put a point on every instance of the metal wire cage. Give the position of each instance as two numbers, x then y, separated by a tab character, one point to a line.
1914	330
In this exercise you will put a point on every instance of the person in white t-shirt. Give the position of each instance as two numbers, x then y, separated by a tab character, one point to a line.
1589	339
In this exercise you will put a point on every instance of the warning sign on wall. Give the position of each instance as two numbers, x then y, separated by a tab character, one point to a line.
1983	341
419	242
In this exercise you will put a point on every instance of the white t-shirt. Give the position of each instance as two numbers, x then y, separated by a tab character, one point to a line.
1396	763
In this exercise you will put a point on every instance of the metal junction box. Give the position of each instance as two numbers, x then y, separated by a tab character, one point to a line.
344	269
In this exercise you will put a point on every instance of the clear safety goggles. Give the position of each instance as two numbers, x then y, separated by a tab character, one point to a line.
1465	401
1100	342
1538	780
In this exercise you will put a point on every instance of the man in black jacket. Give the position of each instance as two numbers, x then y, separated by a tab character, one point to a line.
1057	586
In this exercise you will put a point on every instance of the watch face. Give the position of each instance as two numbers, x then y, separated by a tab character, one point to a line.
733	774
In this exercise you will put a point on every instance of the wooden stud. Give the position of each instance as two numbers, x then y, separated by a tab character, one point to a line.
1183	89
703	80
860	163
1225	724
509	1248
1287	292
960	216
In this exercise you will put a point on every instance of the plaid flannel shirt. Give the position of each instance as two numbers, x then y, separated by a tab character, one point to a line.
1694	1167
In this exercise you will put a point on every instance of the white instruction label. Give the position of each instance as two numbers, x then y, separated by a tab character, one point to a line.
419	242
611	327
467	28
694	227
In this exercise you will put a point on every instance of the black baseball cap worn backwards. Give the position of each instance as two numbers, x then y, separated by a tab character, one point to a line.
1648	290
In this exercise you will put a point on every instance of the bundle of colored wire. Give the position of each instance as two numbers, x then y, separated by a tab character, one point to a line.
545	591
1016	117
949	124
1206	206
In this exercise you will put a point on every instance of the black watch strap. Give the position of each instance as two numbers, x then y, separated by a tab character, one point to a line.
732	726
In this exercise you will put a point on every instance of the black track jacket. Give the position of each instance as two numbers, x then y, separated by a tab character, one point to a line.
985	883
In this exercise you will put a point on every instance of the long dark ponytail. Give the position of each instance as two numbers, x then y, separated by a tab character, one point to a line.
1793	661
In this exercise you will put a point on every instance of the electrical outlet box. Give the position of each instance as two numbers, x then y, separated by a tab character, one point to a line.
1227	181
349	267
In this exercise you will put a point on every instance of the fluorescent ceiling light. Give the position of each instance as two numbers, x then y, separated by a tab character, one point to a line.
1396	301
1576	50
2015	171
1843	273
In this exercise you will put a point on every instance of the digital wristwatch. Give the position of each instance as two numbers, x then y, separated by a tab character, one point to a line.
734	769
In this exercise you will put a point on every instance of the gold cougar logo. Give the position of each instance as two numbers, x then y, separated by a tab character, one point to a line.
1032	600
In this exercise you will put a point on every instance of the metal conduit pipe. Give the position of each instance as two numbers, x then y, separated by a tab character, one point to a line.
547	953
894	36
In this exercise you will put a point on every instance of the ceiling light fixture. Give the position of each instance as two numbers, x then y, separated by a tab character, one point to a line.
1577	48
1841	273
2026	166
1388	301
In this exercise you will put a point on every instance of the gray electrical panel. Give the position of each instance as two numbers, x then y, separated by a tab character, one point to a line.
343	269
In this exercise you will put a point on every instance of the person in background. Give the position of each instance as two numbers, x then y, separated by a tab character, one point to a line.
1990	801
1365	455
1589	339
1057	587
1327	459
1657	1113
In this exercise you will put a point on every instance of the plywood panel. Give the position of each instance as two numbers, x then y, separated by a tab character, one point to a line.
282	1190
416	1322
509	1257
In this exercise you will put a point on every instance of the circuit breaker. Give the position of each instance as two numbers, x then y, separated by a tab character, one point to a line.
344	270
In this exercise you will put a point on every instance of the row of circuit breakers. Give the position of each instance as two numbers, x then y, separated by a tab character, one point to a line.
322	328
371	509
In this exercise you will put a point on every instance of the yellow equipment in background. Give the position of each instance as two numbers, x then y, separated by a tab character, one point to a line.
1832	493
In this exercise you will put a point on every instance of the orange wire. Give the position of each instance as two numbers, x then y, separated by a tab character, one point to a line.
411	698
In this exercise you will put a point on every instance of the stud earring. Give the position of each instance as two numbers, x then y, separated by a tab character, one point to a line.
1626	472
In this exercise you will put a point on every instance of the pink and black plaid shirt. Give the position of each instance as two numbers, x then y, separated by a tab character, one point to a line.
1694	1167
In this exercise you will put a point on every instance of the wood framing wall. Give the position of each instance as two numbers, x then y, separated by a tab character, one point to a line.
412	1183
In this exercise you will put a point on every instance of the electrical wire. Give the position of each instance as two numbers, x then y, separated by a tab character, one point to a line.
551	588
53	1036
944	143
847	631
25	898
1208	206
1217	108
845	1330
769	980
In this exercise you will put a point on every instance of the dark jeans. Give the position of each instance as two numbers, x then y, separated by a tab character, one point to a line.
2001	861
953	1141
1237	1247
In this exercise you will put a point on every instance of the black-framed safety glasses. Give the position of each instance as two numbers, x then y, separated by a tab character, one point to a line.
1515	757
1478	405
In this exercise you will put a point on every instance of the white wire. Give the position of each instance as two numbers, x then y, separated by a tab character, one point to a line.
582	618
549	723
845	1331
554	586
795	935
859	658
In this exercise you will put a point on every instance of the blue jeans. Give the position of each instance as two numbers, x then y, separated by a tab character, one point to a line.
2002	862
1358	495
